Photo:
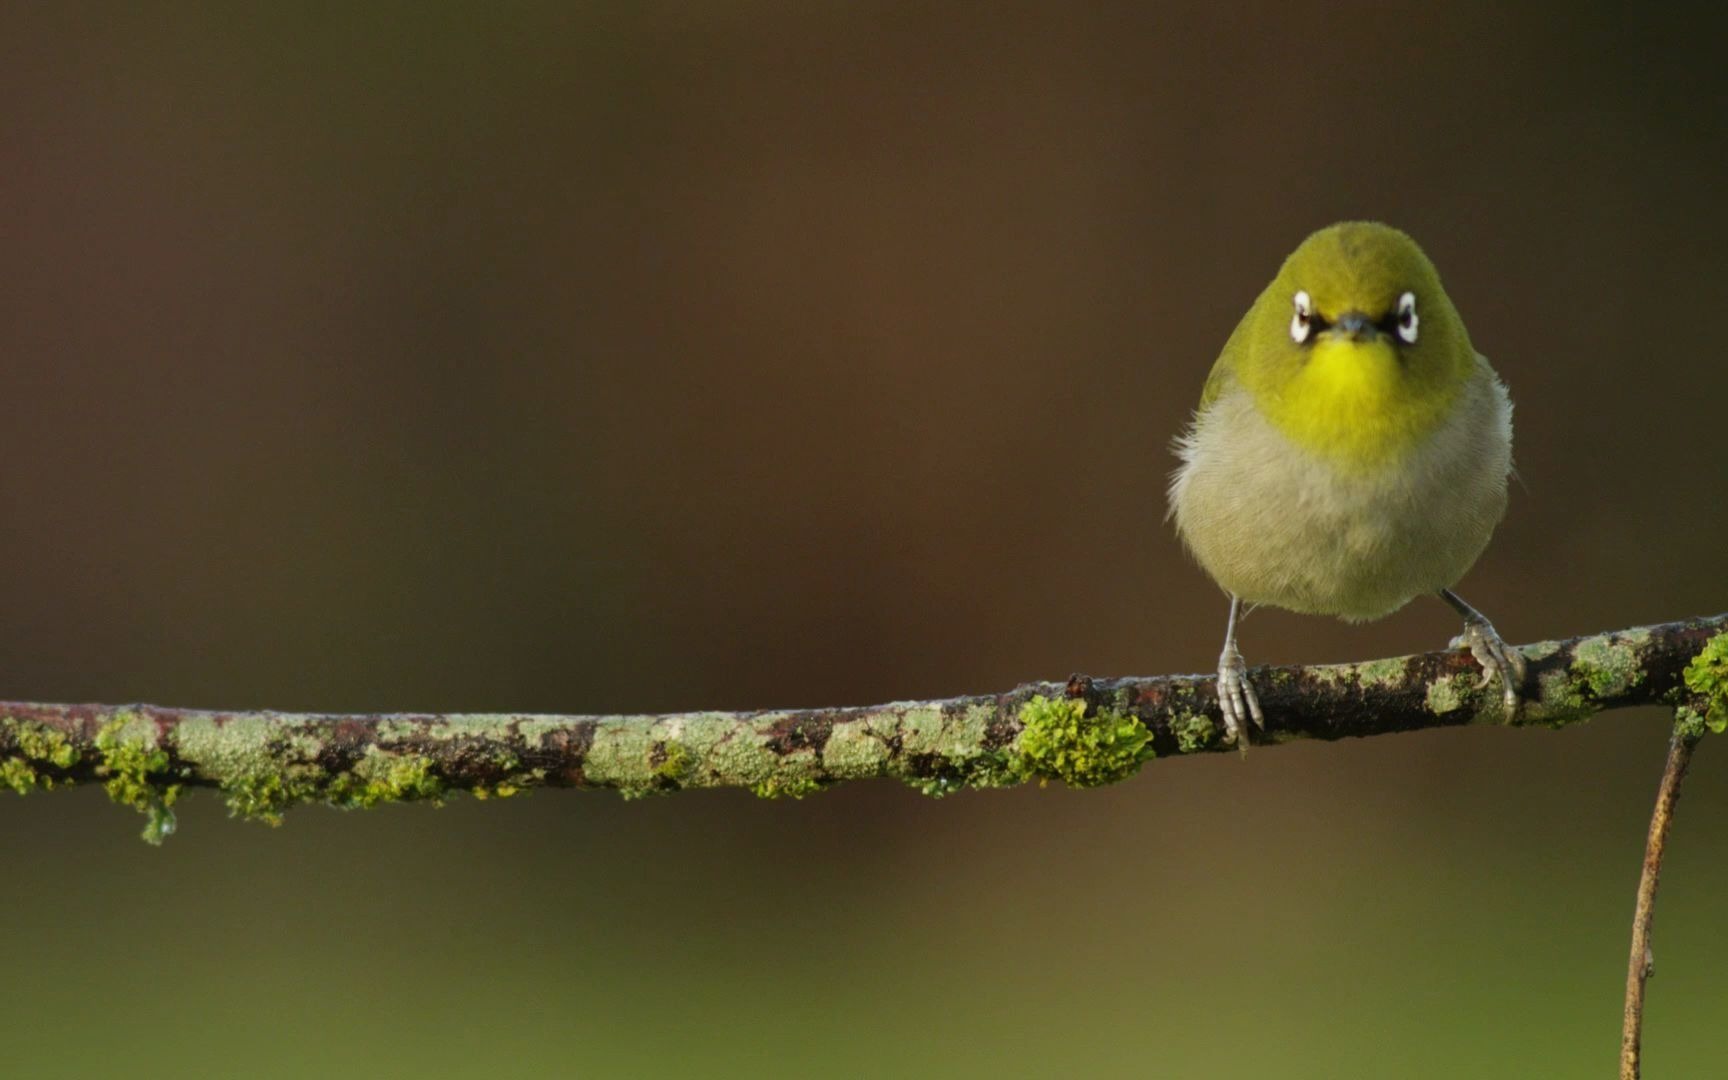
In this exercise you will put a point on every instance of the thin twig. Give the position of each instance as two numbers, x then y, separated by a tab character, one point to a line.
1642	963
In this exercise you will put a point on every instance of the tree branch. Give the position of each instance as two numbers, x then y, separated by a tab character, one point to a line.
1083	732
1642	961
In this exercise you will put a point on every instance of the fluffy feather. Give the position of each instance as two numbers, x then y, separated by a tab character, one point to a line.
1278	523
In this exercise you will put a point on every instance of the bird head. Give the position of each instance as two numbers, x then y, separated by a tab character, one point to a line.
1354	350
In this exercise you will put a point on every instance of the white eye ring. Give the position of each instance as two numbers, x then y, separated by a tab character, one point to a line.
1301	322
1407	320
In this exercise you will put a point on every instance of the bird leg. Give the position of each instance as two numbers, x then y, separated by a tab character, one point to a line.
1236	697
1495	656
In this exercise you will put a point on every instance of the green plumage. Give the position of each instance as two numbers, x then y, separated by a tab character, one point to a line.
1351	448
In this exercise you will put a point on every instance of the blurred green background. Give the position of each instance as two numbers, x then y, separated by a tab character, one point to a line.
576	357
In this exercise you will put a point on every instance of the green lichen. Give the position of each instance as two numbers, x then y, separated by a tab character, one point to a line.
937	787
983	769
1330	674
257	798
1447	693
263	766
942	750
159	820
676	766
1707	677
17	774
667	768
382	777
1059	741
1561	701
504	789
988	770
1194	731
785	787
1602	669
39	742
1388	672
629	754
855	750
265	795
1608	666
38	751
133	764
514	781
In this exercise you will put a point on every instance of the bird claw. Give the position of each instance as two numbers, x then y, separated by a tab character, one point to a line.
1236	699
1498	660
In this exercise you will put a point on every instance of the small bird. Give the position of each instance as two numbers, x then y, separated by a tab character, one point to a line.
1350	452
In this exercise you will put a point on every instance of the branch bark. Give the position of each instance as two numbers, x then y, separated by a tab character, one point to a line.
1083	731
1642	962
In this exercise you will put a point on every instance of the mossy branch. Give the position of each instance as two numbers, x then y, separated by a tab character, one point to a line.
1083	732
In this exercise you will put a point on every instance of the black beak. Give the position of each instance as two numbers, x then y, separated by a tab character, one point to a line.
1359	326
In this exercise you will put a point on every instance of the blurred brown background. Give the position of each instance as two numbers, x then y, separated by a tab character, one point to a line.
576	357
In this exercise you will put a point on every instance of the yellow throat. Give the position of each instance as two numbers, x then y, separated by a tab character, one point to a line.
1349	403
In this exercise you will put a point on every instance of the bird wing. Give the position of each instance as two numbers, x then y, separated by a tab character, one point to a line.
1223	374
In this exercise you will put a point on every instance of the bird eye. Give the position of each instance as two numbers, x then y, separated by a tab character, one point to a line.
1301	322
1407	320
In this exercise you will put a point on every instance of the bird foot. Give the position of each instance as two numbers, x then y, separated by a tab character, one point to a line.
1498	659
1236	698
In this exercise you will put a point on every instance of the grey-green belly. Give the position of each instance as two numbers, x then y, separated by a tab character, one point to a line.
1277	525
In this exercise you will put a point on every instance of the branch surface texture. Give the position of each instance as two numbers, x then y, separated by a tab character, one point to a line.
1643	962
1083	732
